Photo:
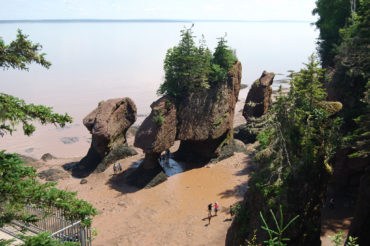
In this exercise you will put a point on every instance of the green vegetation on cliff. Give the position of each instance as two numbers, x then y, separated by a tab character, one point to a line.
348	66
189	68
294	159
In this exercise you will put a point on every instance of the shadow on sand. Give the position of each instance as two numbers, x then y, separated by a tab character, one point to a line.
240	189
339	217
135	178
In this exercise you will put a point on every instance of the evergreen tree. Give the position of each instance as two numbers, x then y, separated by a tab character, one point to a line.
18	55
189	68
18	184
186	67
333	16
222	61
352	66
362	133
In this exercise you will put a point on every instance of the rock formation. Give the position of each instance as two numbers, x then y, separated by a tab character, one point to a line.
206	118
108	124
158	131
156	134
256	106
202	120
259	96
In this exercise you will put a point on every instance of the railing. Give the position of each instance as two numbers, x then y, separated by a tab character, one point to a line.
62	229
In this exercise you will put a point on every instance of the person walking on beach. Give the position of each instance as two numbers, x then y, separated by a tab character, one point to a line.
119	167
210	210
209	213
115	168
216	208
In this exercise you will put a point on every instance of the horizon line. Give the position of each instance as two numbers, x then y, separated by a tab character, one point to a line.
143	20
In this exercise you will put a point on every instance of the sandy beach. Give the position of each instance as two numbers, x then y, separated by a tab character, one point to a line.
172	213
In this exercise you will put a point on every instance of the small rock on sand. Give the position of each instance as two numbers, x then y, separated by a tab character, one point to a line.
47	157
29	150
69	140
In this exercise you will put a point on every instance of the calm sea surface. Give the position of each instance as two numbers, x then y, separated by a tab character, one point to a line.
92	62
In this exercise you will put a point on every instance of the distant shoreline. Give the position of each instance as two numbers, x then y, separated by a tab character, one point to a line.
144	21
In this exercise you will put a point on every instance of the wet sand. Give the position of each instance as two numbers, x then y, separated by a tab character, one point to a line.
172	213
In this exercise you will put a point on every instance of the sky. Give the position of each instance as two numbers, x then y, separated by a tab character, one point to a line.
158	9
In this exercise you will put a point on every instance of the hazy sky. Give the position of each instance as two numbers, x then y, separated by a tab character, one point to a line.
158	9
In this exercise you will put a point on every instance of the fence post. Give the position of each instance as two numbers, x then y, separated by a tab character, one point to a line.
82	236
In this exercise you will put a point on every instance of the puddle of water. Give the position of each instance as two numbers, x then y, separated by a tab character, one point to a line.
170	166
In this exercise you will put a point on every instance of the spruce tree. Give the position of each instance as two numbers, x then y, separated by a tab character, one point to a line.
18	184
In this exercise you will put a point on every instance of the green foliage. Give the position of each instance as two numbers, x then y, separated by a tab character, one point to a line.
276	236
362	133
297	144
4	242
158	118
14	111
265	137
19	187
338	239
20	53
333	15
242	218
352	67
18	184
186	66
253	241
352	241
217	123
43	239
189	68
222	61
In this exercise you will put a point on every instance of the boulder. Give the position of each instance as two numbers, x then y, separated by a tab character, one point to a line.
108	124
30	161
69	140
158	131
239	146
47	157
259	96
53	174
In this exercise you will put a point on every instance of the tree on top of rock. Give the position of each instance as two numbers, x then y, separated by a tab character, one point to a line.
186	66
222	61
189	68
